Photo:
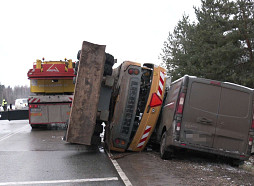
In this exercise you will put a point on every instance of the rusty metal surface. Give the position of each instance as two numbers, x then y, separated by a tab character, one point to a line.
86	96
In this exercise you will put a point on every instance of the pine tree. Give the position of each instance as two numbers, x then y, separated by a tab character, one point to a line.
216	45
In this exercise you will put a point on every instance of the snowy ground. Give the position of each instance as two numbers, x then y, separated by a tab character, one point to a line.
147	168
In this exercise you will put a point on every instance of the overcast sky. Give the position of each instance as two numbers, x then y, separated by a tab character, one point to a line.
54	29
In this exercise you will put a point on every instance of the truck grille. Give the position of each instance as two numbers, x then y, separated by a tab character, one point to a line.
130	108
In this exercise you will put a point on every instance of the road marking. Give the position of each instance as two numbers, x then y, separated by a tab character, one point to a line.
13	133
120	171
61	181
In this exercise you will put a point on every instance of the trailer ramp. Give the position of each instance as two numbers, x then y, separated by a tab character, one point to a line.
86	95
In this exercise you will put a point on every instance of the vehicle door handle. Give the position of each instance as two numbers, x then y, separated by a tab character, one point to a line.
204	120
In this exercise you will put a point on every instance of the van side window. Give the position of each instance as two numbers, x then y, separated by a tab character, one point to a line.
199	94
234	103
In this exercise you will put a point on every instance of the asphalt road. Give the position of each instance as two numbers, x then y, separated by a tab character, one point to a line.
40	157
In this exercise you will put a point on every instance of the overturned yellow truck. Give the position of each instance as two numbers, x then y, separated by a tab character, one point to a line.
127	99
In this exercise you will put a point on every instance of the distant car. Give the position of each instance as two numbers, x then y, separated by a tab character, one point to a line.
21	104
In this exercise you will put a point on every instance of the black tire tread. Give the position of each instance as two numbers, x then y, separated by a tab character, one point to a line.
76	67
107	70
164	153
34	126
98	128
109	59
78	54
96	140
236	162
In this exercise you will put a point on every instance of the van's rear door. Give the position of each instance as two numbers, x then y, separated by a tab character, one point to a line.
234	119
200	113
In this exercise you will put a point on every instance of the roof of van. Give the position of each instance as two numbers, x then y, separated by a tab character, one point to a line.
241	86
183	77
238	85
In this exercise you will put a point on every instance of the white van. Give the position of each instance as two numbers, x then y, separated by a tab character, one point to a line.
21	104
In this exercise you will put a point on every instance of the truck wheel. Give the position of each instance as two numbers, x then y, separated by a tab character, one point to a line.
106	137
98	128
107	70
76	67
65	133
109	59
74	80
34	126
96	140
78	54
164	153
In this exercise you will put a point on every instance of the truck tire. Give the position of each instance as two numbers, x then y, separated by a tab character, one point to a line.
98	128
164	153
78	54
96	140
65	133
107	70
106	137
76	68
34	126
109	59
74	80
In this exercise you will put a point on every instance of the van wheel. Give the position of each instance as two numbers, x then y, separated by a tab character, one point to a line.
236	162
164	153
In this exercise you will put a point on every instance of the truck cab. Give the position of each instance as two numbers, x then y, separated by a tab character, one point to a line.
138	96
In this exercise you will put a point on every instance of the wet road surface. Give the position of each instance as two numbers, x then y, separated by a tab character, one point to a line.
40	157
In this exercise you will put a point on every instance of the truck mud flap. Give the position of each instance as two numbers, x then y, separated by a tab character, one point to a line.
14	115
86	95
